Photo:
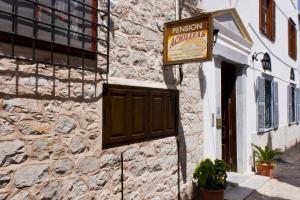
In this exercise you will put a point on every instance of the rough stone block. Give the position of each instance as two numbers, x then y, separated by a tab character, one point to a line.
6	128
65	124
77	145
62	167
98	181
87	165
76	187
53	190
12	152
30	175
5	178
24	195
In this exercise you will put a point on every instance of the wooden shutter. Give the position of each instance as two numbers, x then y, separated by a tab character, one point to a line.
138	117
273	20
171	112
133	114
290	102
262	15
115	107
157	113
298	104
261	104
292	39
275	105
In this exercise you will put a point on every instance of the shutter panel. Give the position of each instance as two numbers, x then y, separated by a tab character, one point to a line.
139	118
289	97
115	113
172	104
157	113
290	38
273	20
261	18
261	104
275	105
298	104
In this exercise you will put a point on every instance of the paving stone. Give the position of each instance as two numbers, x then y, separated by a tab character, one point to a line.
12	152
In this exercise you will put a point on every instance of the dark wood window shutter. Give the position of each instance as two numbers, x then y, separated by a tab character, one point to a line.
262	15
138	107
115	110
267	18
292	39
132	114
273	19
157	113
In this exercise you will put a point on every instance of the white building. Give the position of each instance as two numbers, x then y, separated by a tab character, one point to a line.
266	109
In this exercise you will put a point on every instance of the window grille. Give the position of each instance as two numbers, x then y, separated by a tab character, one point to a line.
68	30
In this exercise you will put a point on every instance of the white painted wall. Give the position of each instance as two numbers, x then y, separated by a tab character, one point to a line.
285	136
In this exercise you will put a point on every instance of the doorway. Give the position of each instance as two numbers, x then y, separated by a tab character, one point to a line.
229	146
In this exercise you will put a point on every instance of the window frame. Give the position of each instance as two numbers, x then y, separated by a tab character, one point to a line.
267	18
38	43
261	104
294	94
292	39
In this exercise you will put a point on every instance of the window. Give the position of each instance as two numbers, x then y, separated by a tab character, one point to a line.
133	114
293	104
64	25
292	34
267	14
267	104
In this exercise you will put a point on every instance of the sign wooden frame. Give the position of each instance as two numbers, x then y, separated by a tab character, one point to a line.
185	22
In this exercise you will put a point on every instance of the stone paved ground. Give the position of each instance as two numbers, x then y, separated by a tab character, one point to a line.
286	181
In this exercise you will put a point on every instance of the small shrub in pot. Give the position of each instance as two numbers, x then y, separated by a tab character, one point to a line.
211	178
264	159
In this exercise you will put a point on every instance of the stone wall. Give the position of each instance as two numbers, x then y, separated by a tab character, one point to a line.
51	121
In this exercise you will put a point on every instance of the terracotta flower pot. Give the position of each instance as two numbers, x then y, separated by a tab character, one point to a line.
213	194
265	169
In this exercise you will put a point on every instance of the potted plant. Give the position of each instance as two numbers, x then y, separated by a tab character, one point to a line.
211	178
264	159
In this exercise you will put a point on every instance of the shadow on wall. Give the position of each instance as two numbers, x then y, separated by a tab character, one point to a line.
23	79
202	82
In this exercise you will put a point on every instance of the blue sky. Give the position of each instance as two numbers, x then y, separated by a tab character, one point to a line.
298	4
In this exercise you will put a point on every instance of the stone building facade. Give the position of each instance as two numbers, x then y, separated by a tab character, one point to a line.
51	120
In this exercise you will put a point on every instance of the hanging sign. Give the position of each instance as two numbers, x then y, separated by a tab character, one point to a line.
188	40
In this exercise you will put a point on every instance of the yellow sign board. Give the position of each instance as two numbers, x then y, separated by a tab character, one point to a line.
188	40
